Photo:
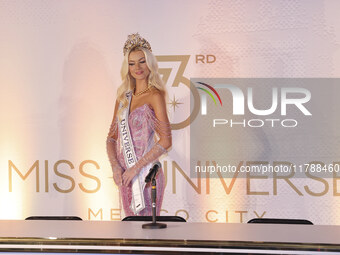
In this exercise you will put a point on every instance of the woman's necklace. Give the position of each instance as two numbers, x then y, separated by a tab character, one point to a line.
141	92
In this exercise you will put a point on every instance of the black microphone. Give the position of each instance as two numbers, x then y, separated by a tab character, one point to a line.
153	171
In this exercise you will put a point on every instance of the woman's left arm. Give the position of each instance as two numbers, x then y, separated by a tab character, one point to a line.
161	122
163	129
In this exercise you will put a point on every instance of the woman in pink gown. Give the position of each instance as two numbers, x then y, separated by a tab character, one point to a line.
141	97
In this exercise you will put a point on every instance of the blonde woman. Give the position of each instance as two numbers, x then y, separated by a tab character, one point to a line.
140	131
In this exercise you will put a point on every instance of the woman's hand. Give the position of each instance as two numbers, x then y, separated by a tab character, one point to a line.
117	177
128	176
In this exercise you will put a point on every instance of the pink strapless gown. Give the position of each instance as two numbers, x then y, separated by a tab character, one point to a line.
142	133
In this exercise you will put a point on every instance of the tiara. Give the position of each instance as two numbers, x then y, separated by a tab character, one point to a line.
135	40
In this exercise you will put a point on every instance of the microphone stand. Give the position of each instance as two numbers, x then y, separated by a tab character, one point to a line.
154	224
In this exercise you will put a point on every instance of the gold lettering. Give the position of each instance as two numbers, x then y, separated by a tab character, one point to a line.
241	215
34	166
213	59
284	177
82	172
163	210
180	79
186	213
207	177
176	166
63	176
207	216
308	174
46	176
335	180
226	188
90	212
200	58
249	176
165	170
115	212
258	216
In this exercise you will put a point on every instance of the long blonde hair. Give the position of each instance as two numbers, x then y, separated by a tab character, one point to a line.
129	83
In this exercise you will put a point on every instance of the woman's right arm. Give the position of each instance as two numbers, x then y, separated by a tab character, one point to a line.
111	145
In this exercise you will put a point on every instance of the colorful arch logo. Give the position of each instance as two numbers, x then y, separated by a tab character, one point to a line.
209	93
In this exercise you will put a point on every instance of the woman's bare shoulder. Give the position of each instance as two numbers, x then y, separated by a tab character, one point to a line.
156	94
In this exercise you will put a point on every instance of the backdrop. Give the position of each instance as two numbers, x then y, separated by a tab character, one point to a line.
60	68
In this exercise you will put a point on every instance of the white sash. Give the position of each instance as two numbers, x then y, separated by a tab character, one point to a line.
137	202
